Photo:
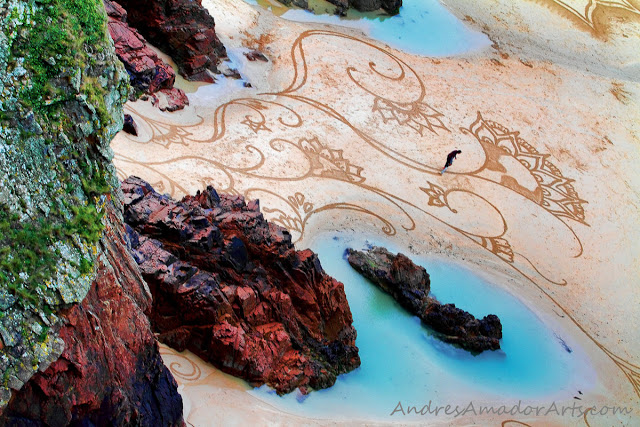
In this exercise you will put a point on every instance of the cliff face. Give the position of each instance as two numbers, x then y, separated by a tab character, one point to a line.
232	288
110	371
61	96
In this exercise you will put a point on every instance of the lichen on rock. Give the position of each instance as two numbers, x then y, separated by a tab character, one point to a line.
61	102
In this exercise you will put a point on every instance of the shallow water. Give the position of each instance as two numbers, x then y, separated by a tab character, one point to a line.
423	27
402	361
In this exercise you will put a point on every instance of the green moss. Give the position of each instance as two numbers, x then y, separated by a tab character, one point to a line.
65	35
67	31
95	96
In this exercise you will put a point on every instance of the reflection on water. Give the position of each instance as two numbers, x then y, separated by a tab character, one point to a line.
402	361
422	27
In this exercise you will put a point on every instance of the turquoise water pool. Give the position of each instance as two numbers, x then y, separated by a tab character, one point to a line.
422	27
402	361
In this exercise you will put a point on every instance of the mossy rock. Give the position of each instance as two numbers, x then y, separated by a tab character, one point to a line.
60	105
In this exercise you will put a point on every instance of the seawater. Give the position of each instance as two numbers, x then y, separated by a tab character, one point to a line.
422	27
403	362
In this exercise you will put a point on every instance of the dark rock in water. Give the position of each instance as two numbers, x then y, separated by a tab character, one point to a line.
457	326
130	126
366	5
110	372
254	55
304	4
182	27
409	284
390	6
232	288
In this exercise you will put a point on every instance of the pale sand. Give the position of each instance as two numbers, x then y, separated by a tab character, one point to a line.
349	149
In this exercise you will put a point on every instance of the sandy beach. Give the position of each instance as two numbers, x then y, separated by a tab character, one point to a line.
340	132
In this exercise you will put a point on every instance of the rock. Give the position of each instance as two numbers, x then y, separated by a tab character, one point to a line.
110	372
254	55
409	284
170	99
130	126
365	5
392	7
148	73
182	27
114	10
233	289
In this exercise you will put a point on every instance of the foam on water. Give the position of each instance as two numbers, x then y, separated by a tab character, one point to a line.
402	361
423	27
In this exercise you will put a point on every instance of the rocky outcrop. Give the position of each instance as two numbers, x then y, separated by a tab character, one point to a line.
170	99
182	27
75	346
392	7
232	288
148	73
409	284
110	372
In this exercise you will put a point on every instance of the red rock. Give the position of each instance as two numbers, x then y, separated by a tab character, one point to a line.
243	298
114	10
182	28
171	99
110	372
147	71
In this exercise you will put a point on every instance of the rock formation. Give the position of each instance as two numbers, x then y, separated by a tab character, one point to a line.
182	27
232	288
75	346
148	73
409	284
110	372
392	7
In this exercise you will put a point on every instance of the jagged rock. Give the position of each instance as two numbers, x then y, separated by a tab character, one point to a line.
110	372
182	27
170	99
130	126
254	55
232	288
148	73
409	284
392	7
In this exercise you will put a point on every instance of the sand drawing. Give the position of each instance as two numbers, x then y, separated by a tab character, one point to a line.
273	147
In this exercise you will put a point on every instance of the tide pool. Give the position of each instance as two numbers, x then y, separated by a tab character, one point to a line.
422	27
402	361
